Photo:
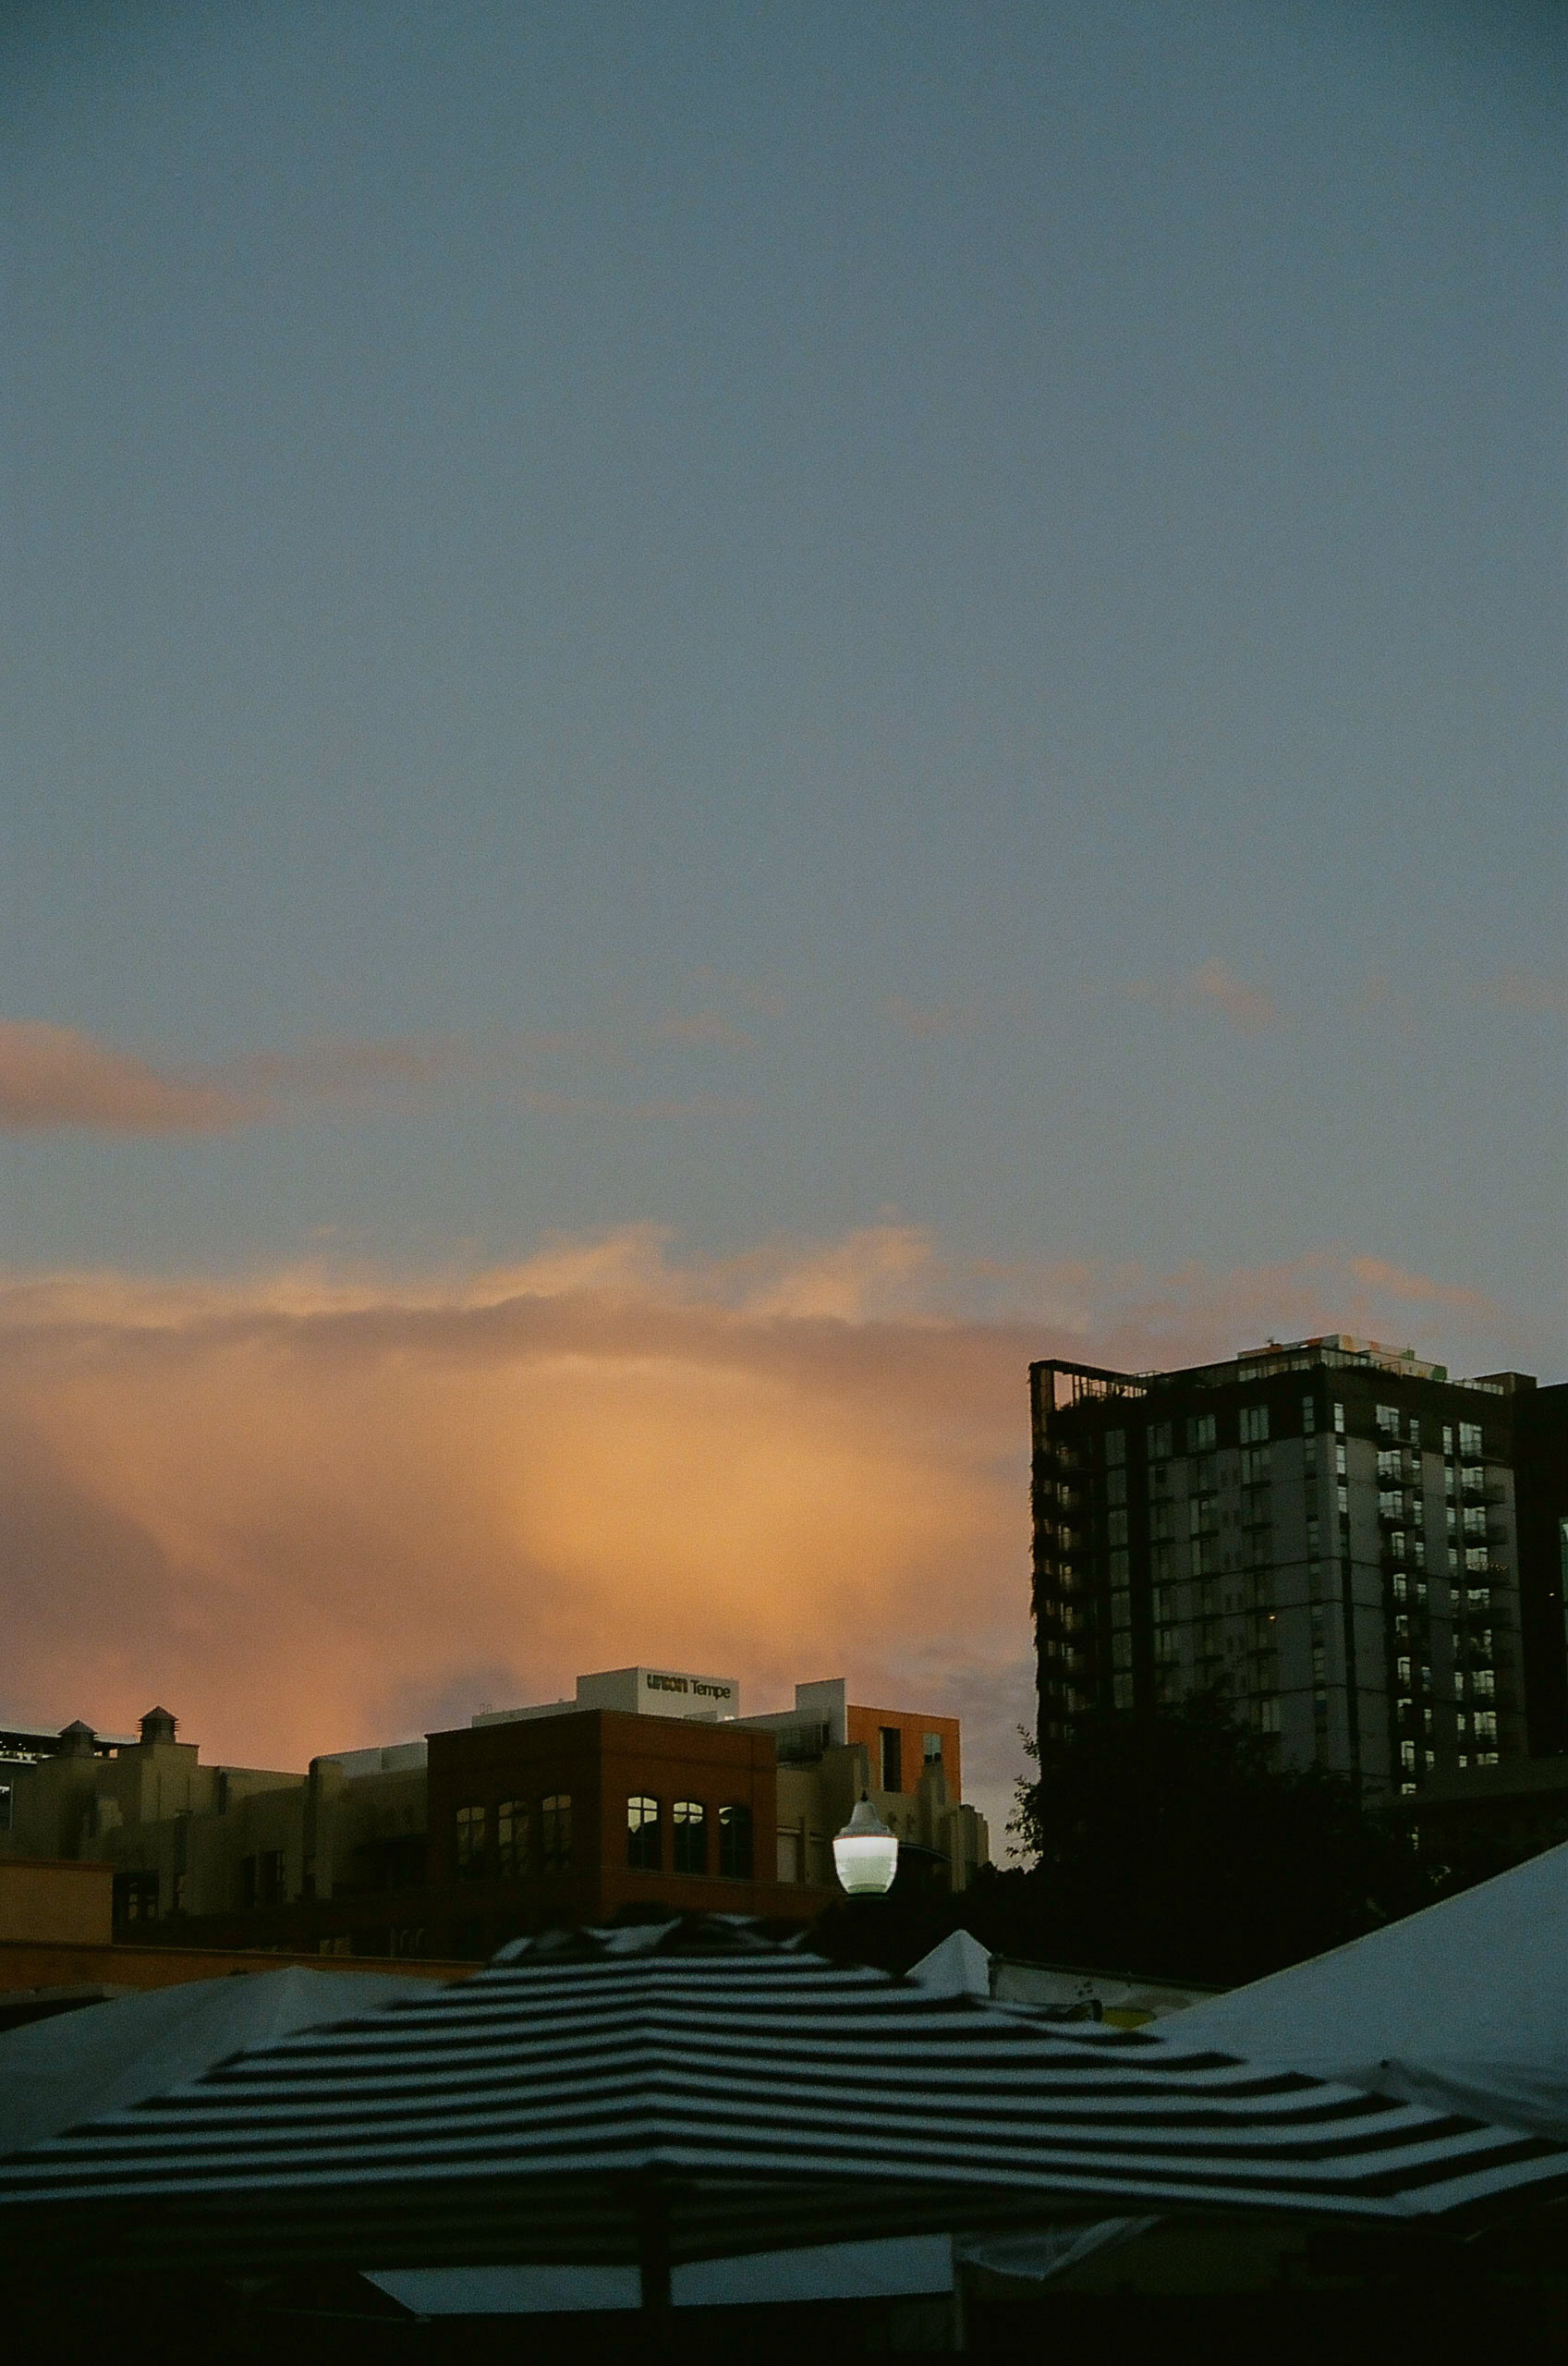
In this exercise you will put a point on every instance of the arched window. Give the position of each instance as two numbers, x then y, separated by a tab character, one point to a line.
469	1822
555	1832
734	1843
644	1850
511	1839
691	1836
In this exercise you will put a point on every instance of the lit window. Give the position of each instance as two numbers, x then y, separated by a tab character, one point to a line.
644	1848
555	1832
1338	1420
1387	1419
690	1844
734	1843
511	1839
1407	1756
470	1826
1470	1438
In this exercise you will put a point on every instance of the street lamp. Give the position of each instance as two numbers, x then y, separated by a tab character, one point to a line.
866	1853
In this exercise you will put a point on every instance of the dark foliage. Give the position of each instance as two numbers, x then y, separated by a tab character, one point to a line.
1171	1846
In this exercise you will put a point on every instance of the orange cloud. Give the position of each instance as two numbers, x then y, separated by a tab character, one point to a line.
306	1525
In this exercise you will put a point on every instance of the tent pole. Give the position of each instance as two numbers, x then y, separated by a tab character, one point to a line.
653	2264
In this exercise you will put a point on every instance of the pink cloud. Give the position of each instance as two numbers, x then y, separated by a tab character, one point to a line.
703	1027
1213	987
927	1025
52	1077
1523	989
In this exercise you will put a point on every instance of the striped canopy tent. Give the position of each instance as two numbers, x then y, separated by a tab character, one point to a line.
688	2090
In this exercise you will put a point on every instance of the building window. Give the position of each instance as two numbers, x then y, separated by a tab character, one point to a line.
555	1832
1269	1714
1201	1433
136	1895
645	1852
1121	1651
1119	1568
1387	1419
1485	1723
1116	1528
1339	1421
1407	1756
1122	1691
511	1839
734	1843
1309	1417
1470	1438
891	1758
1121	1610
1115	1447
689	1842
1159	1441
1253	1424
931	1750
1116	1486
468	1823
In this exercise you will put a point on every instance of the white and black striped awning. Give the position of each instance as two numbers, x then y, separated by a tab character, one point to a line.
764	2096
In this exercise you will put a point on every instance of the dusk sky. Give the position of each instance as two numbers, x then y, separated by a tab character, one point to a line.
716	717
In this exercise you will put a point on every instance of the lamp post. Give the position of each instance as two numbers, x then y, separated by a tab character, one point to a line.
866	1853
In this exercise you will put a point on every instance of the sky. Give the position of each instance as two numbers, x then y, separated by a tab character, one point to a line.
716	718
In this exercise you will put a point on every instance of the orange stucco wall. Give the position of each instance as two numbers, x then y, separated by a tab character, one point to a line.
866	1726
55	1898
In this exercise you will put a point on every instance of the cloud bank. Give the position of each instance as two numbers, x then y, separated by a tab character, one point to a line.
316	1510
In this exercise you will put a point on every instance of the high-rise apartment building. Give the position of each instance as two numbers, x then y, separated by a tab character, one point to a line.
1329	1527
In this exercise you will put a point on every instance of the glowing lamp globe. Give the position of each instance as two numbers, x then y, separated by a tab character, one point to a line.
866	1853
